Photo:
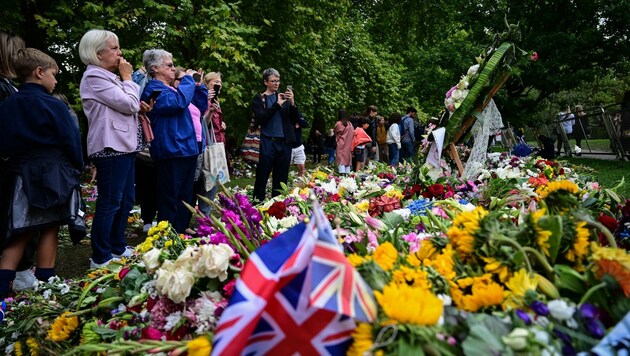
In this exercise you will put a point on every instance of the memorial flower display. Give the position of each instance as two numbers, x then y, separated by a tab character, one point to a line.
523	258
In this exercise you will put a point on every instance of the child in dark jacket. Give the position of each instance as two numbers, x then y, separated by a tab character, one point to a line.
43	148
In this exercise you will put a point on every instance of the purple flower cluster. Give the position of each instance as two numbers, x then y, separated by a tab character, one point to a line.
232	212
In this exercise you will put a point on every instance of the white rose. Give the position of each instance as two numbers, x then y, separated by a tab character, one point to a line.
560	309
176	283
184	260
473	70
457	95
151	260
212	261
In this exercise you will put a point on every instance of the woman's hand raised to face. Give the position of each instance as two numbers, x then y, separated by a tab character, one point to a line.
125	69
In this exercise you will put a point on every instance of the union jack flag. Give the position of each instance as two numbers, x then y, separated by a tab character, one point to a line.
296	295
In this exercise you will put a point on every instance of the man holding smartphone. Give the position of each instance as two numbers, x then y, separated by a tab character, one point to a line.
277	115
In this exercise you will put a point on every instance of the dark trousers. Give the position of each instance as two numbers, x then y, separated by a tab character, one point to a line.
275	156
115	183
406	151
393	154
146	189
176	177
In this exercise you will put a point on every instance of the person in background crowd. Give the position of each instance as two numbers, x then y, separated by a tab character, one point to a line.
175	148
344	133
581	130
277	115
566	122
213	118
547	147
317	144
298	156
330	146
9	46
359	143
41	147
393	139
381	140
407	135
111	104
371	148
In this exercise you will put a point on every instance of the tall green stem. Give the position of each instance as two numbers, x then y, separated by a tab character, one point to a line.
590	292
543	261
92	285
604	230
518	247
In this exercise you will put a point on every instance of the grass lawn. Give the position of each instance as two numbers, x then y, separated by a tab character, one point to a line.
607	172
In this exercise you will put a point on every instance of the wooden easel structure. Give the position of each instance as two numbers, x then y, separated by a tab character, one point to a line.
469	121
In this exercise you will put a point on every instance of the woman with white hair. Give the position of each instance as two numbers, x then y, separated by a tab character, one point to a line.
175	147
111	104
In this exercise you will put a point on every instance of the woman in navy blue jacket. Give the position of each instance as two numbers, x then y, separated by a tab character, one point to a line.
175	147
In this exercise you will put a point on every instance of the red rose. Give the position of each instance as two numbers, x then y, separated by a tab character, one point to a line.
436	190
277	210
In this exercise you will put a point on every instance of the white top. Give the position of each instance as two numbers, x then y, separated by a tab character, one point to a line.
393	135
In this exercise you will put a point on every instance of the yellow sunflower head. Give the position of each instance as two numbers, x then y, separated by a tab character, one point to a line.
385	256
409	305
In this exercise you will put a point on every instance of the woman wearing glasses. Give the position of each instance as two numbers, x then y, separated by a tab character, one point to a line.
175	147
277	115
111	103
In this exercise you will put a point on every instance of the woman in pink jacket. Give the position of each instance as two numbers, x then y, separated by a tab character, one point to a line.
111	103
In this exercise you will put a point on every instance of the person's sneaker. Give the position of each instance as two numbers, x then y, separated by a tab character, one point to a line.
94	265
146	227
24	280
127	253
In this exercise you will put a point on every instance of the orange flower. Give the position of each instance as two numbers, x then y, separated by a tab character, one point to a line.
615	270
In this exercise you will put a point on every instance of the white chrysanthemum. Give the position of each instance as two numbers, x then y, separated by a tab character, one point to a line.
288	222
349	184
330	187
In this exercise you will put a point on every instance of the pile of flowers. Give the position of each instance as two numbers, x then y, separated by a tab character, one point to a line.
527	257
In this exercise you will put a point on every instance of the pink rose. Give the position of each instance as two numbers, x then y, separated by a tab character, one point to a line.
534	57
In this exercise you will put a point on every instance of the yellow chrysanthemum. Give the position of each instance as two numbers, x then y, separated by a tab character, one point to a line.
33	346
17	348
362	340
385	256
495	267
409	305
305	191
443	262
199	346
519	284
412	277
395	193
168	243
545	190
472	294
580	245
355	260
362	206
63	327
462	231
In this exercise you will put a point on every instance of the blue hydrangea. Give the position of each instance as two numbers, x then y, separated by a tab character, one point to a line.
417	207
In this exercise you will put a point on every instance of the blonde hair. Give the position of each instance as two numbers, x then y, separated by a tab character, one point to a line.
9	45
29	59
211	76
93	42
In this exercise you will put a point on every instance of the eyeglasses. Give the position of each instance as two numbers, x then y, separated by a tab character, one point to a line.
276	81
170	65
180	78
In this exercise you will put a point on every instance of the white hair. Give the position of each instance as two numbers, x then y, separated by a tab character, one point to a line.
93	42
154	57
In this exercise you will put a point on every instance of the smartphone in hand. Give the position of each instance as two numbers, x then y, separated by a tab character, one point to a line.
154	95
217	90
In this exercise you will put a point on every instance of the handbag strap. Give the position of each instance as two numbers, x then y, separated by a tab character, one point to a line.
208	134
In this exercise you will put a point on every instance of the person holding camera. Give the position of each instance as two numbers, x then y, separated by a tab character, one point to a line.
277	115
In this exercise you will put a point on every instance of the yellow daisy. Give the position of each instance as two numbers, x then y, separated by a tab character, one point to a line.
520	283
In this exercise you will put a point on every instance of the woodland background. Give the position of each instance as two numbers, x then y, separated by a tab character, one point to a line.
353	53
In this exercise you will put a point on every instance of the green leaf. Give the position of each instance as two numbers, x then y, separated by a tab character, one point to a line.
552	223
481	341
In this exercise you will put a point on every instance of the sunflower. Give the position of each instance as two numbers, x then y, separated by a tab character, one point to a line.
427	250
362	340
562	185
412	277
33	346
17	347
385	256
474	293
443	263
462	232
496	267
580	245
63	327
520	283
409	305
355	260
541	235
